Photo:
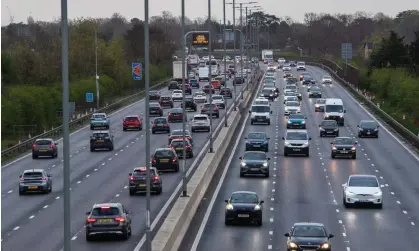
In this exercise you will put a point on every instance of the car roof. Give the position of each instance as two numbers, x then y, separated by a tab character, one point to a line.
248	192
107	205
104	131
334	101
180	130
141	167
287	131
33	170
163	149
187	140
177	109
99	113
363	175
44	139
308	224
329	120
160	118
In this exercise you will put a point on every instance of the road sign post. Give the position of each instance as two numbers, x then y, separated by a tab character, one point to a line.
89	97
346	54
137	71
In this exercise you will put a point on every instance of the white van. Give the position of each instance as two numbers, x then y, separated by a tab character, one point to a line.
203	73
334	110
260	114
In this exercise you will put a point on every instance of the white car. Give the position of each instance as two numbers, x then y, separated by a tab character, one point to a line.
292	107
362	189
248	70
219	101
177	95
327	80
301	66
261	101
291	98
271	68
286	67
200	99
201	122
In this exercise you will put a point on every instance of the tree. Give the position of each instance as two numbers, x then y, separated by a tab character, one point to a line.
391	53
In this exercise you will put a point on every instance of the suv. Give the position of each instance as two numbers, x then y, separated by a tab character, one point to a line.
301	66
219	101
226	92
154	95
194	83
44	147
296	142
177	145
210	109
200	122
138	180
155	109
101	139
343	147
173	85
160	125
166	101
260	114
329	128
368	128
108	218
165	159
99	120
132	122
35	180
176	115
188	89
189	104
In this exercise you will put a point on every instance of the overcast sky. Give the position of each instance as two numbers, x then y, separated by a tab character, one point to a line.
47	10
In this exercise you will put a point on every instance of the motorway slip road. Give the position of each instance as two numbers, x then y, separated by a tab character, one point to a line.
310	189
36	221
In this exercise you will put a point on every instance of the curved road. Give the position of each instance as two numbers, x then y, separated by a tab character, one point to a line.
36	221
310	189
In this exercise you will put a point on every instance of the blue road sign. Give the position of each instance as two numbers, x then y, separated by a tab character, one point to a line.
89	97
346	51
137	71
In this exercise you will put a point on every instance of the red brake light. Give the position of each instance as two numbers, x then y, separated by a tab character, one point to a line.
156	178
52	146
188	146
169	114
105	207
167	124
154	125
119	219
90	220
33	146
43	178
154	160
131	178
203	108
22	179
174	159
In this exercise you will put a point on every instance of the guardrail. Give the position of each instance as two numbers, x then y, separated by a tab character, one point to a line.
352	86
56	133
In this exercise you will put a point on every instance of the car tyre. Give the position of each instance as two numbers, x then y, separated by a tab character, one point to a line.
267	175
124	129
285	153
34	156
337	134
217	116
380	206
359	135
227	222
125	234
332	156
177	168
131	193
259	221
21	193
321	135
308	154
354	156
154	132
88	237
241	175
159	191
269	122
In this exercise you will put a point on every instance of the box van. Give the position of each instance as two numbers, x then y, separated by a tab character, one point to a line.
260	114
334	110
203	73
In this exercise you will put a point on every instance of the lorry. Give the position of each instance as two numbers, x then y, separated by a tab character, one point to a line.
267	55
177	70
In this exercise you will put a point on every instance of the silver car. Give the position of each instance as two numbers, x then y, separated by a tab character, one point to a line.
201	122
296	143
219	101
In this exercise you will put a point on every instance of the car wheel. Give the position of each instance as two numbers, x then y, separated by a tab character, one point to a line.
124	129
337	134
153	132
191	155
259	221
251	122
107	127
125	234
354	156
359	135
380	206
88	237
34	156
177	169
111	148
241	175
227	222
285	153
159	191
308	154
332	156
21	193
92	149
269	122
92	128
321	135
267	175
217	116
131	193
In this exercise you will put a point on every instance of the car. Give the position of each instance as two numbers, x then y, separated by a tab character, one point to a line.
188	89
166	101
292	90
362	189
155	109
244	206
177	95
257	141
176	115
261	101
221	79
329	128
368	128
291	81
208	88
327	80
303	75
268	94
101	140
200	98
45	147
254	163
343	147
178	134
154	95
308	80
288	74
319	105
291	98
160	124
194	83
269	79
271	86
210	110
286	67
315	92
296	121
164	159
291	107
173	85
292	63
269	73
226	92
271	68
99	121
296	143
137	181
308	236
191	75
189	104
178	145
108	219
132	122
201	122
301	66
219	101
35	181
238	80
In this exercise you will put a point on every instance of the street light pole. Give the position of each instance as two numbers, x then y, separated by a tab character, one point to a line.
183	42
241	49
66	127
209	75
97	76
234	49
225	62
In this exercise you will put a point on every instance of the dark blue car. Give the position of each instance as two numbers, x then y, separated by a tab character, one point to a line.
194	83
257	141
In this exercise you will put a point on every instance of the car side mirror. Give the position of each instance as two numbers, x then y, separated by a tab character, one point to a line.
356	142
331	236
20	176
378	126
320	125
88	213
130	174
250	111
331	143
268	158
309	138
268	138
271	112
261	202
245	138
357	126
344	111
287	234
226	201
240	157
49	175
283	138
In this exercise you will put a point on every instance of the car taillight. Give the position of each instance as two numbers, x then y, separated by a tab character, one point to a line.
174	159
173	147
21	179
154	125
169	114
155	178
188	146
33	146
43	178
154	161
52	146
214	108
203	108
119	219
90	220
131	178
167	124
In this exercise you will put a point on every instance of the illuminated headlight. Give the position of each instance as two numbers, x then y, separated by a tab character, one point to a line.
229	207
303	122
376	129
317	105
271	95
334	148
341	116
286	108
337	129
243	164
265	164
325	246
321	129
287	143
289	122
353	148
257	207
292	245
305	144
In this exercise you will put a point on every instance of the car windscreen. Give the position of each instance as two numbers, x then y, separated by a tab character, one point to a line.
363	182
370	124
344	141
256	136
261	102
261	108
296	116
292	80
193	81
330	123
163	154
216	97
179	133
100	135
32	175
315	89
290	87
105	211
160	121
327	78
165	98
131	118
292	98
176	110
98	117
334	108
267	91
244	198
188	99
152	105
296	136
200	118
43	142
254	156
292	103
178	143
270	84
321	101
308	231
143	172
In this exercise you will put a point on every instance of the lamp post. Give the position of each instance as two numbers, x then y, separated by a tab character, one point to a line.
241	56
225	61
210	73
183	57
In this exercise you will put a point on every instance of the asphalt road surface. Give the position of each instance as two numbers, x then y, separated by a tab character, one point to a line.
310	188
36	221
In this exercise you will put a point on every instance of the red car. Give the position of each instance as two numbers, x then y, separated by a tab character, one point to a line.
188	89
208	88
132	122
176	115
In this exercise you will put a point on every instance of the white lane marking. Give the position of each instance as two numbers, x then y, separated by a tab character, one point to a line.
337	210
269	246
74	238
16	228
78	182
271	220
117	195
103	164
271	232
45	206
87	175
110	159
58	197
125	187
53	165
32	216
412	223
271	208
392	193
344	234
404	211
11	191
94	170
398	202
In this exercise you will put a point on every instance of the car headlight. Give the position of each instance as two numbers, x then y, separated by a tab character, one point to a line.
229	207
376	129
321	129
271	95
243	164
353	149
292	245
257	207
325	246
305	144
265	164
337	129
334	148
349	192
341	116
289	122
317	105
303	122
287	143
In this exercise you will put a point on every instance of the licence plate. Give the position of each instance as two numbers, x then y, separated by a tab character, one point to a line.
106	220
159	124
100	140
243	216
260	119
254	169
42	150
33	187
296	149
256	145
131	126
368	133
363	200
142	185
344	151
164	160
329	132
178	149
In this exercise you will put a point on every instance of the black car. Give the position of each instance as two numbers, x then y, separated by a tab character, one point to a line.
329	128
292	81
258	141
166	101
160	125
165	159
308	236
35	180
368	128
308	79
177	145
315	92
189	104
154	95
108	219
343	147
254	163
226	92
210	109
238	81
44	148
155	109
268	94
138	180
173	85
101	140
244	206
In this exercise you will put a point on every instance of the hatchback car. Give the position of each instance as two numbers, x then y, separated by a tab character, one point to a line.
296	121
35	180
226	92
190	104
155	109
201	122
101	140
44	148
194	83
173	85
210	109
176	115
368	128
166	101
154	95
132	122
208	88
178	145
343	147
160	124
254	163
319	105
164	159
258	141
138	180
244	206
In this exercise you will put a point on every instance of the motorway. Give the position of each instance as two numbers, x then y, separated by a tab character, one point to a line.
36	221
310	188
